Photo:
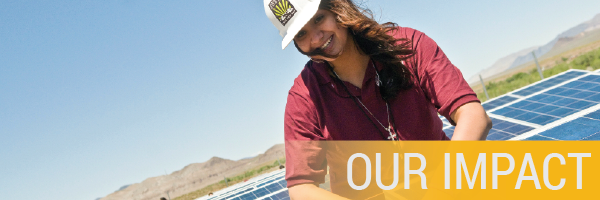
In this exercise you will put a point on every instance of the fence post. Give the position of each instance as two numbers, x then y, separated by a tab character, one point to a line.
484	90
538	65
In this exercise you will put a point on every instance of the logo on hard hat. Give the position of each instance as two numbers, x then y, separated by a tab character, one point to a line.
283	10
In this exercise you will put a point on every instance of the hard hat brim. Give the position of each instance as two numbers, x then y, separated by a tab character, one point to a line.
299	22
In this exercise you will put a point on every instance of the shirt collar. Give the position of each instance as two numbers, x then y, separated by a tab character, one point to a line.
325	77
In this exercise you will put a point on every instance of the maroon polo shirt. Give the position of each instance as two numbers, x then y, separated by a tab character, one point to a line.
319	108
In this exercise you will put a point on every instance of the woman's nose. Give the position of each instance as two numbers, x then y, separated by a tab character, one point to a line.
316	37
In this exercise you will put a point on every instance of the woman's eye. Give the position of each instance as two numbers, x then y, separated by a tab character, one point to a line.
300	34
319	18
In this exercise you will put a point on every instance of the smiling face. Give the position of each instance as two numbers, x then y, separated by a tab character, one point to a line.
322	37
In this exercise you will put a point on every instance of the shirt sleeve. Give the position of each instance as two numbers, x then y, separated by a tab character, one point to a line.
440	80
304	149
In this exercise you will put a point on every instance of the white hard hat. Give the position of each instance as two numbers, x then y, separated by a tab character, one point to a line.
289	16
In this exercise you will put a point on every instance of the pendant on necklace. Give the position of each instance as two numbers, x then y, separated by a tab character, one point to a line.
392	135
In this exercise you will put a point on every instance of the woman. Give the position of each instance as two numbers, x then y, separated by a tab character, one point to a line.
365	81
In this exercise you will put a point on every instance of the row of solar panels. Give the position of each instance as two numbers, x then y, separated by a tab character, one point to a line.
562	107
271	186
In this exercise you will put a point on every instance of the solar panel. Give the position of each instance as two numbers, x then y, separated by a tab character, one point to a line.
268	186
498	102
551	109
502	130
546	83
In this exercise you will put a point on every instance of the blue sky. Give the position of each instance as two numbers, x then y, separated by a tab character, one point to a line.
95	95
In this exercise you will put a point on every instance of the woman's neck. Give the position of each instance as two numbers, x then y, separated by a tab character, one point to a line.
351	64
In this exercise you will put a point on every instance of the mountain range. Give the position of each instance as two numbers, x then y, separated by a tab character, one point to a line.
582	34
194	176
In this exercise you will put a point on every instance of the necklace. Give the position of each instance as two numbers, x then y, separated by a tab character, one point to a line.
392	135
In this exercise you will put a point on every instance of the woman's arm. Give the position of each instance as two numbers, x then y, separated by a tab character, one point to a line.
310	191
472	123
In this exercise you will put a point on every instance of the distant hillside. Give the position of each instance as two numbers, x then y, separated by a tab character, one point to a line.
580	35
193	177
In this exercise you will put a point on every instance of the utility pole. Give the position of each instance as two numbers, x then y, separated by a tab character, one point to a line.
226	184
484	89
538	65
167	190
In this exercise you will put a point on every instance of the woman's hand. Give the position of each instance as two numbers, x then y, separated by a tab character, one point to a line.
310	191
472	122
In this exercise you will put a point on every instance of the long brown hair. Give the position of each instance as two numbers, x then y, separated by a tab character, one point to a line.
374	40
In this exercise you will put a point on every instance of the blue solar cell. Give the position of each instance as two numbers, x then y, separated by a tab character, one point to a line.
595	136
589	78
564	102
491	103
545	109
526	116
538	137
267	198
260	192
499	135
583	94
507	98
504	110
595	98
575	73
588	122
537	97
267	182
274	187
520	104
562	112
496	121
568	93
488	106
536	88
514	113
238	193
498	102
586	86
596	80
572	130
283	183
449	131
545	84
580	105
501	126
573	84
281	195
532	106
550	99
555	90
595	89
248	196
518	129
594	115
542	119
